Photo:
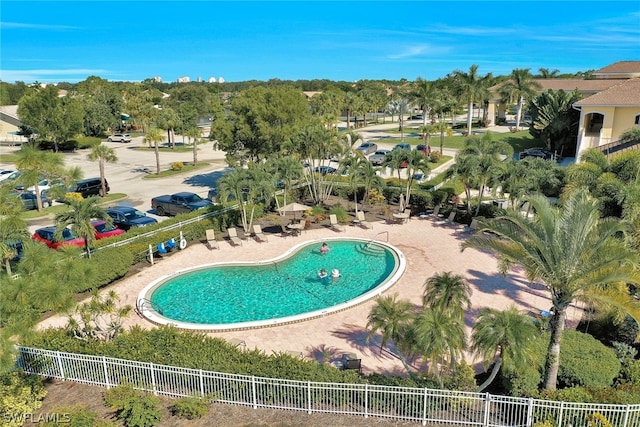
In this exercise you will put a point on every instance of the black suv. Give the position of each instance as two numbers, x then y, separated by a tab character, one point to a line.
89	187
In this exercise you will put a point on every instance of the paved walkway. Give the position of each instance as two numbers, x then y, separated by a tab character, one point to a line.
429	248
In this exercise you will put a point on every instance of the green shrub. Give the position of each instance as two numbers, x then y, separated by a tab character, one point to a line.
177	166
586	361
108	265
78	416
19	395
435	156
134	408
340	212
190	408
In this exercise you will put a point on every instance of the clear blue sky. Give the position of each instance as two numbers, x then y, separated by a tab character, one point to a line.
55	41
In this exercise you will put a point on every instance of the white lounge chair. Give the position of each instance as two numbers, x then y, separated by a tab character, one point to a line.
333	220
211	239
258	234
362	222
233	236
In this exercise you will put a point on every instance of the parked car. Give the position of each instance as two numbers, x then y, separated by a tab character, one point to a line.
5	173
126	218
29	200
120	137
324	170
11	176
89	187
402	146
378	157
416	117
46	235
419	177
104	230
178	203
424	149
367	148
539	152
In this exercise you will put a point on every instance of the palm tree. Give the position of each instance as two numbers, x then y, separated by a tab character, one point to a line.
472	88
447	292
573	252
502	337
416	162
36	164
466	169
194	134
439	336
545	73
288	170
445	129
390	317
78	218
367	175
154	136
520	86
102	154
424	94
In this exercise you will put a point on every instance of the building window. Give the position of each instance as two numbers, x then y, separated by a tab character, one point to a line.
637	120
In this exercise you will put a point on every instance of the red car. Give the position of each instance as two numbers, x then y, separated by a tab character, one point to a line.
103	230
46	235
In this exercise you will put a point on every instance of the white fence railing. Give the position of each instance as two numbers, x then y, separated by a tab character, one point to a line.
414	404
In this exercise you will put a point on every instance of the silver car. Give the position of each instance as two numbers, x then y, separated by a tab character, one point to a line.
378	157
120	137
367	148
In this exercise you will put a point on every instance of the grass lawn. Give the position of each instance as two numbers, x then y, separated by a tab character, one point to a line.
52	210
8	158
171	172
518	140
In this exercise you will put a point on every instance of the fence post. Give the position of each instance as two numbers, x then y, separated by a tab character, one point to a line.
424	408
366	400
151	254
201	383
60	368
153	379
309	397
530	412
106	373
487	407
253	391
626	416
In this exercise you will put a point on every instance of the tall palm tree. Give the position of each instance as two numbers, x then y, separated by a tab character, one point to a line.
502	337
390	317
154	137
472	88
520	86
193	133
102	154
78	218
288	170
424	94
416	162
447	292
575	254
445	129
466	169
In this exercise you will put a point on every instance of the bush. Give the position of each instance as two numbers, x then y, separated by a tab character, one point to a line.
177	166
340	212
109	264
78	416
134	408
586	361
190	408
72	196
19	395
435	156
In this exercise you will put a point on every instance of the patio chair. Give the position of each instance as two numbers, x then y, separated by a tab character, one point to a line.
335	225
233	236
162	250
362	222
407	212
449	219
211	239
285	232
258	234
171	244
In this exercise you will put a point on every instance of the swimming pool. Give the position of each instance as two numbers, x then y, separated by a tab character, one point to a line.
224	296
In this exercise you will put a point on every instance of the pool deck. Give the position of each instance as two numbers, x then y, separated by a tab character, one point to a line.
429	248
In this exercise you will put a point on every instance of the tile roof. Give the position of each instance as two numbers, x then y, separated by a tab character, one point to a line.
620	67
568	85
625	93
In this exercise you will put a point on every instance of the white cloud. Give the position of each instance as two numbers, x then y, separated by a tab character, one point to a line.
46	75
24	25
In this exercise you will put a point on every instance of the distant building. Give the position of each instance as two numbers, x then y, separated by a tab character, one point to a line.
184	79
199	79
212	80
220	80
157	79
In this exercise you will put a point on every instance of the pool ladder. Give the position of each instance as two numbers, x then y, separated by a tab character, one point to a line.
140	304
374	238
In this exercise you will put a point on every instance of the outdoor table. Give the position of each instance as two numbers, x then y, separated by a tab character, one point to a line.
401	216
297	228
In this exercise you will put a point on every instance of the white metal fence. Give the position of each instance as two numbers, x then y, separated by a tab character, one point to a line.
416	404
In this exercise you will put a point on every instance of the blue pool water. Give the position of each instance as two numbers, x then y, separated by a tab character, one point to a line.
228	294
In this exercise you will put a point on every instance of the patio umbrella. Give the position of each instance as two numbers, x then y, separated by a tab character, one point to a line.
293	207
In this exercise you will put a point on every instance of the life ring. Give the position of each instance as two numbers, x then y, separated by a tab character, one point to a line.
183	243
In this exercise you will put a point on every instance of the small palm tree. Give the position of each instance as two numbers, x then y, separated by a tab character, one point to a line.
194	134
520	86
447	292
154	137
35	164
502	337
102	154
78	218
390	317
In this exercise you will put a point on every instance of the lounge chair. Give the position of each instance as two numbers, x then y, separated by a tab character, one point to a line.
471	228
335	225
162	250
211	239
407	212
258	234
285	231
362	222
171	244
233	236
449	219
